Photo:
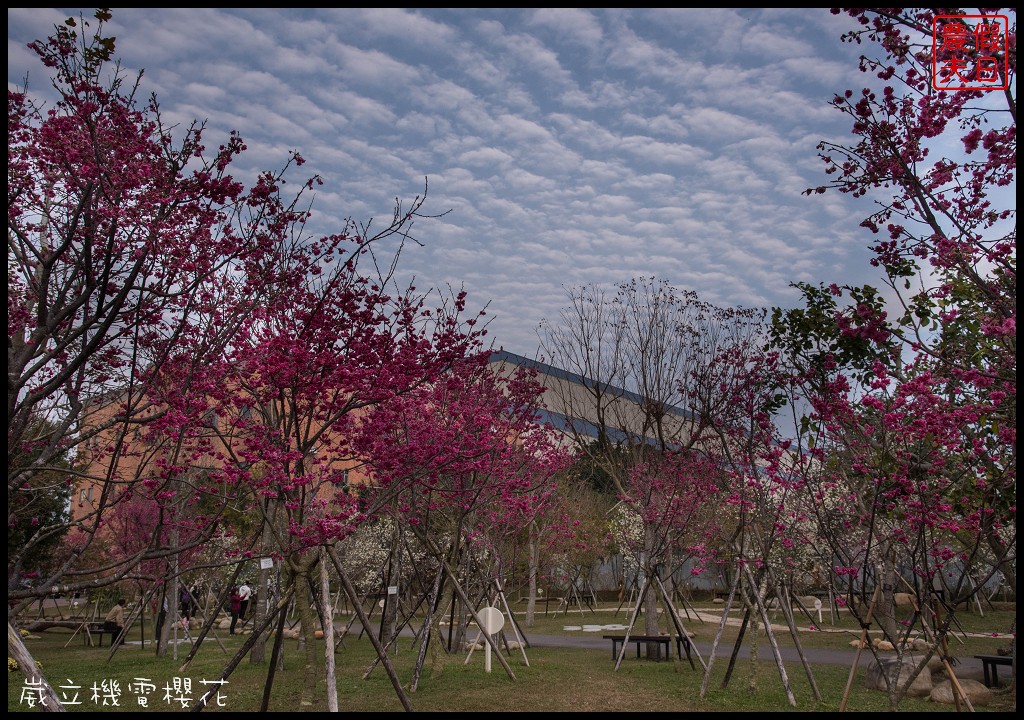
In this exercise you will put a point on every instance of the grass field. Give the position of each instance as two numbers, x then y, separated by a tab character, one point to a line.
557	679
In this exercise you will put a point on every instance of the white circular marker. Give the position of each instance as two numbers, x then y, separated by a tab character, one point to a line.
491	620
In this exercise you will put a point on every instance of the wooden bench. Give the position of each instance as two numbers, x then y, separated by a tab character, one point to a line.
682	645
580	598
990	664
97	630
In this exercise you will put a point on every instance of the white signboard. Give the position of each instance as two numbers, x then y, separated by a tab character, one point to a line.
266	563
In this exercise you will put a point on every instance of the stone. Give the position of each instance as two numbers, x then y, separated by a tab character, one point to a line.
977	693
904	600
810	602
874	679
934	663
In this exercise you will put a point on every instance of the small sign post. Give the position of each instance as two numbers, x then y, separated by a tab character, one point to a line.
492	621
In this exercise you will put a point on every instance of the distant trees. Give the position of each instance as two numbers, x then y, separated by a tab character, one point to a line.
37	512
662	375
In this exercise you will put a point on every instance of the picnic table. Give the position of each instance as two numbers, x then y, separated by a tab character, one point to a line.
90	629
682	644
990	665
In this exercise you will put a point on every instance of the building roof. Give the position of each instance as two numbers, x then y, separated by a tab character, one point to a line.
580	425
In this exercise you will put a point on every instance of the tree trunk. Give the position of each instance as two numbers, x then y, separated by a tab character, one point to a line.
754	623
301	568
670	585
389	621
167	614
327	621
437	649
428	629
651	625
462	625
885	611
533	561
258	656
259	649
42	693
175	597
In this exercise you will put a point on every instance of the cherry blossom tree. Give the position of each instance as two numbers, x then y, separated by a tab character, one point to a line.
462	460
566	537
911	438
195	348
330	346
132	256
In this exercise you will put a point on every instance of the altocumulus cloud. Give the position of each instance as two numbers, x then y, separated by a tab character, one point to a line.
570	145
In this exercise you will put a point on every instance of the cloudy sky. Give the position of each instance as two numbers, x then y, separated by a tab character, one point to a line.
566	146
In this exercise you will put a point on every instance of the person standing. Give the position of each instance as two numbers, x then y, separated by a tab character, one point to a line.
236	608
186	604
246	592
113	623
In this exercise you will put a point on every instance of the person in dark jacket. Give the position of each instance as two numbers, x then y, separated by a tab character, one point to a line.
236	608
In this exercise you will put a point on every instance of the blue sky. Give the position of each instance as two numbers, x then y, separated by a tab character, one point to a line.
567	146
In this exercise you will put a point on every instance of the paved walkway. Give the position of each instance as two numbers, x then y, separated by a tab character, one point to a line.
967	667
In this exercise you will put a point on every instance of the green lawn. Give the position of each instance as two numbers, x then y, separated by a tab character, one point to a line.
557	679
